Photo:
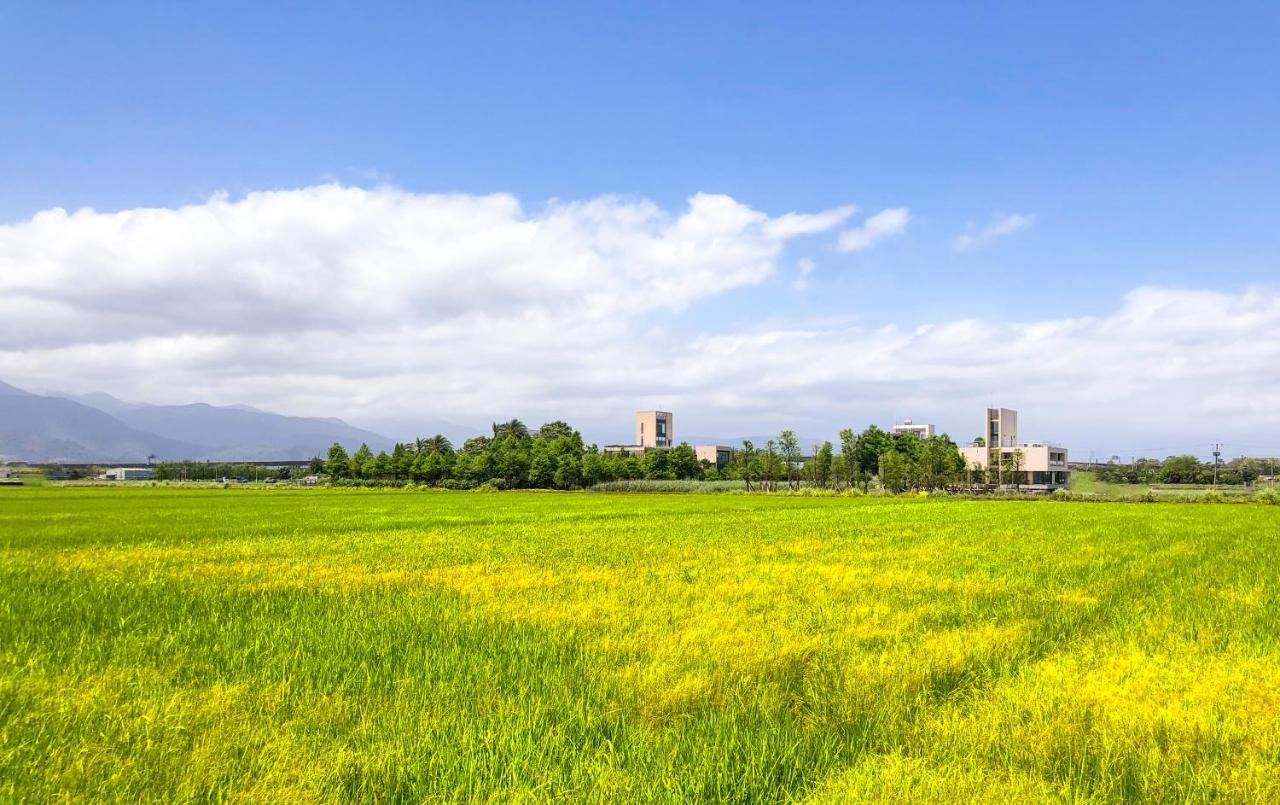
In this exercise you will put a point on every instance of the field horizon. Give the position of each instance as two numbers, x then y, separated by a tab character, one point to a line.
325	644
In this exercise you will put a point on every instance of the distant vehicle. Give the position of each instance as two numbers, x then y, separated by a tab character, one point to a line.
269	480
240	479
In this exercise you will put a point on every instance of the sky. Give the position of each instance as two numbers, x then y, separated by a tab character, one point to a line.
759	216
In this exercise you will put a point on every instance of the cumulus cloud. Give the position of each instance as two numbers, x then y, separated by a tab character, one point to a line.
346	259
1000	225
381	303
879	226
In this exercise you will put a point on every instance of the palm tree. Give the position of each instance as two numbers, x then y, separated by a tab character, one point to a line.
514	428
439	444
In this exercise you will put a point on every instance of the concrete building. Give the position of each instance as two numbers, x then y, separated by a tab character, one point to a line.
655	429
128	474
717	455
924	431
1041	466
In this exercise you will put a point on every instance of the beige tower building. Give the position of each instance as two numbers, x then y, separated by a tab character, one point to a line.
1042	465
654	429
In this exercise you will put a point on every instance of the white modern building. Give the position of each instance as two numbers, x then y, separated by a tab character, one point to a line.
924	431
1035	465
128	474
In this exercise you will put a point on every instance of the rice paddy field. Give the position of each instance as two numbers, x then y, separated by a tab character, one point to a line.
301	645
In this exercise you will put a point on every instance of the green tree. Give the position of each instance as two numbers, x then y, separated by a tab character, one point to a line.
568	472
656	465
850	455
820	468
872	444
744	459
515	427
361	462
895	471
542	471
789	451
683	462
338	465
1181	470
555	430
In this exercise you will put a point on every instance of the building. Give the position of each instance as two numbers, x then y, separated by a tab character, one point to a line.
654	429
1028	465
128	474
717	455
907	426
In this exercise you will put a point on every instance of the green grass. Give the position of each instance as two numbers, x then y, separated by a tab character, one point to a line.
277	645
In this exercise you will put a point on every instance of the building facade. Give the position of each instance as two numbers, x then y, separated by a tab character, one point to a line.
717	455
655	429
1028	465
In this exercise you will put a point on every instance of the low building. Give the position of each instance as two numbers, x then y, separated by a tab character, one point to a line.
717	455
128	474
924	431
1026	465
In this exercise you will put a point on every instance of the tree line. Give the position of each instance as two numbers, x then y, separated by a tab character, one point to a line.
555	457
1186	469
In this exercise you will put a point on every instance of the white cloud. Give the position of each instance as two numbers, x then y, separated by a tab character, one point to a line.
374	304
345	259
881	225
1000	226
804	267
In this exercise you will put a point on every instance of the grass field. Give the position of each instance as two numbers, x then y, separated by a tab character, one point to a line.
350	644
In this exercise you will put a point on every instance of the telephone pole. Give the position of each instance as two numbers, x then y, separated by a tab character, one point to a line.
1217	454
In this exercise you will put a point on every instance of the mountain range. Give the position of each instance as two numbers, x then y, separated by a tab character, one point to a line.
100	428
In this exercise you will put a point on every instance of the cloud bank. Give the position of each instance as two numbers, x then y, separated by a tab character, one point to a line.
383	303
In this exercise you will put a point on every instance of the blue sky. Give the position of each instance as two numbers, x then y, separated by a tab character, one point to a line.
1139	143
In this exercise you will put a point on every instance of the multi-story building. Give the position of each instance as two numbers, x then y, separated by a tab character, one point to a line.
1029	465
924	431
654	429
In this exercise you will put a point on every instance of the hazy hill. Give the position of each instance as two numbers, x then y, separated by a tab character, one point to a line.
241	432
38	428
35	427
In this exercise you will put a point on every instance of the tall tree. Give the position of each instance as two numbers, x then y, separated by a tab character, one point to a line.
683	462
515	427
338	465
789	450
361	462
744	459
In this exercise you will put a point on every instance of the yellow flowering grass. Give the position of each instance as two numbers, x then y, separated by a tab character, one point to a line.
275	645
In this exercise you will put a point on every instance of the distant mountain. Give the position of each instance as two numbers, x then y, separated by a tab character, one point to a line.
240	432
97	399
37	428
97	427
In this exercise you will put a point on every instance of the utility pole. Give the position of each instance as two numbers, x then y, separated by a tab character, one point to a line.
1217	454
